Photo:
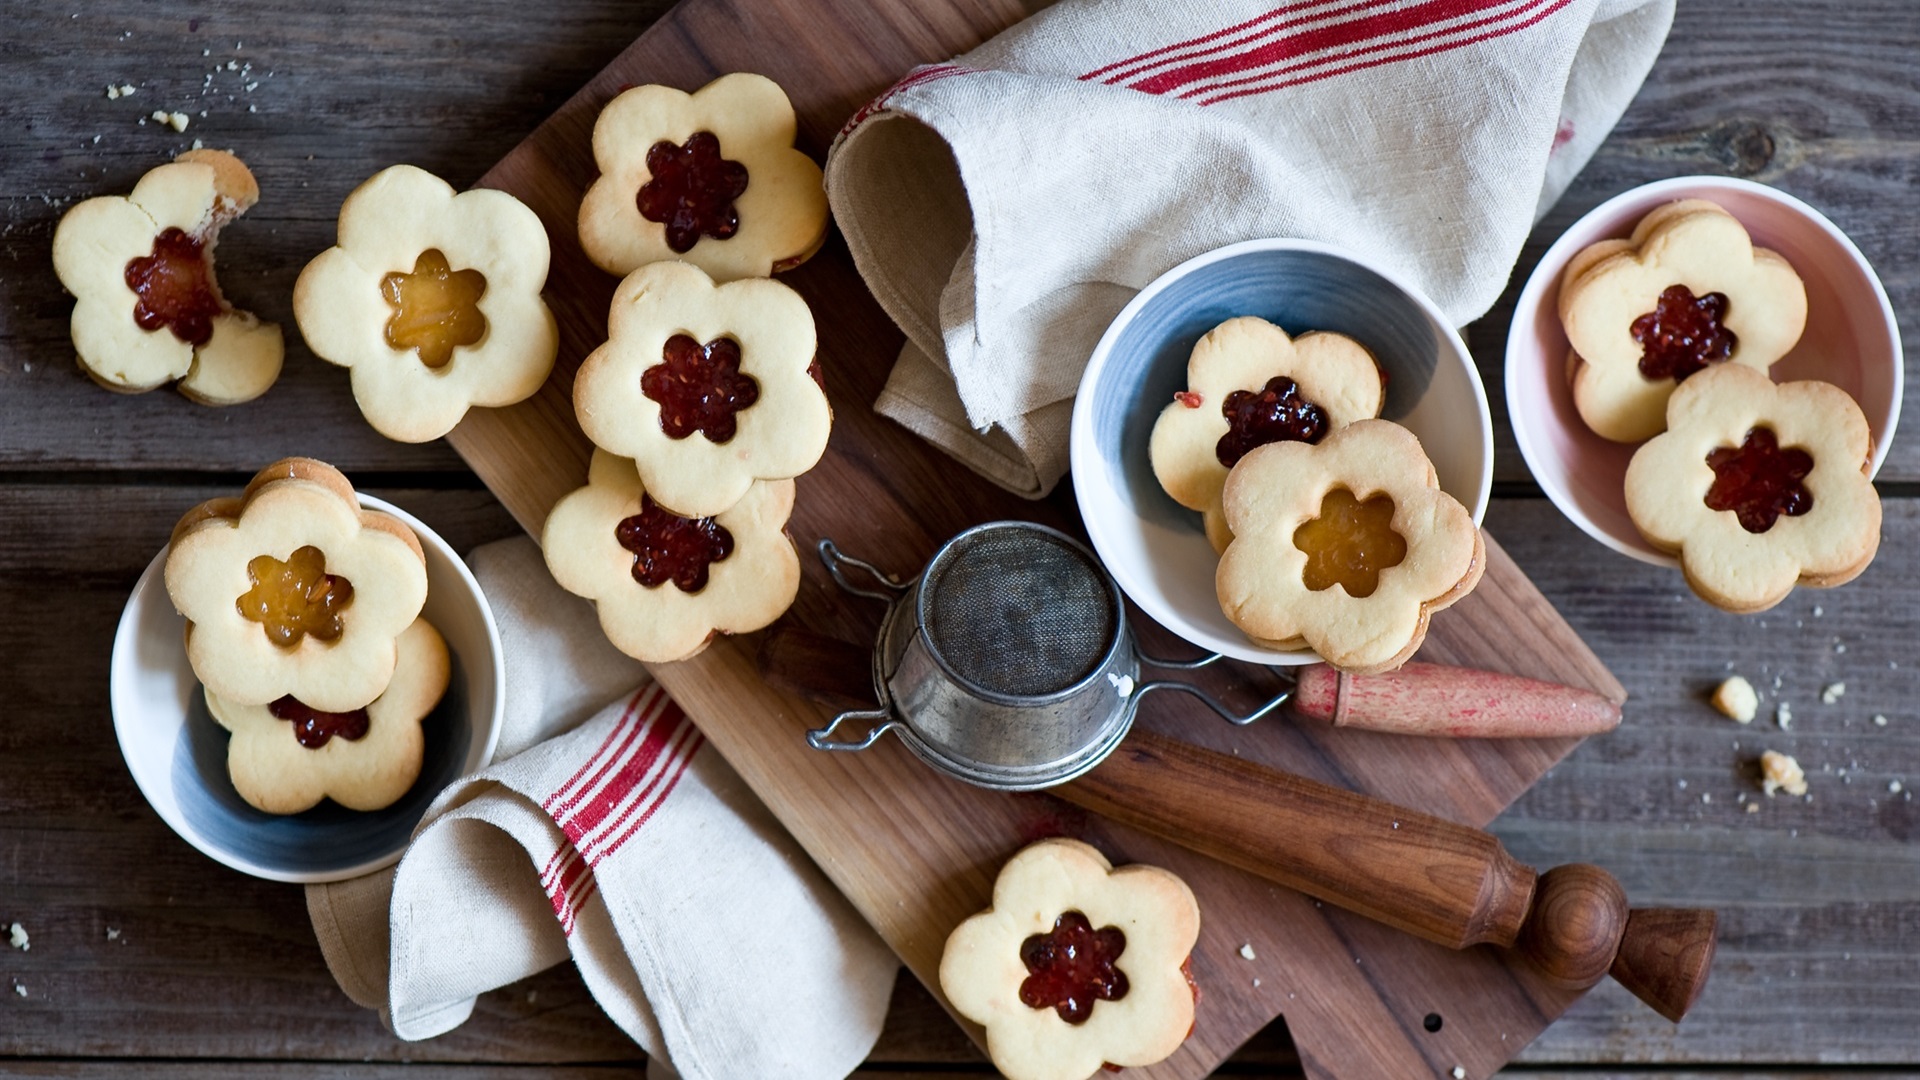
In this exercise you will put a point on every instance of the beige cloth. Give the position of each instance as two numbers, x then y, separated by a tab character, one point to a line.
1005	206
698	924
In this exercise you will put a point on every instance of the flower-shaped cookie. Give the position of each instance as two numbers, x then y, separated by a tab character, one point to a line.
1346	547
432	298
710	177
1757	487
1248	384
285	757
707	387
1076	964
665	584
1688	290
147	309
292	589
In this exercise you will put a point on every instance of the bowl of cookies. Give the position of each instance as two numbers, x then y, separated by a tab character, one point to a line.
1705	373
299	672
1282	453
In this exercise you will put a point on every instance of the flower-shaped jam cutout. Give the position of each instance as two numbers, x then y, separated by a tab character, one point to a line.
1757	487
1687	291
1683	334
699	387
436	309
710	177
667	547
749	390
1350	543
1076	964
1249	384
285	756
147	309
295	598
1346	547
1072	966
262	578
691	191
1759	481
432	299
611	543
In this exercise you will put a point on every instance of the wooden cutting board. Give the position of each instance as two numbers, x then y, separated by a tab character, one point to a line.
915	852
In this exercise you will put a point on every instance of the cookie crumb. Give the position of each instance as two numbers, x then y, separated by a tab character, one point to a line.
1459	1073
1894	786
1879	720
17	937
113	933
177	121
1256	984
1833	693
1753	808
1818	611
1736	699
20	988
1706	797
1780	772
533	996
1246	950
1783	715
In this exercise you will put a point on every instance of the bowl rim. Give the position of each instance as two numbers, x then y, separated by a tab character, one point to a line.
1080	429
147	780
1557	255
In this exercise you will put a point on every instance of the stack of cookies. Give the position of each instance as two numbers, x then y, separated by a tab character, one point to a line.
304	629
1755	486
1333	531
706	399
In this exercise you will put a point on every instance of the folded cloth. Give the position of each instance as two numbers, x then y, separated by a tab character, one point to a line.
698	924
1005	206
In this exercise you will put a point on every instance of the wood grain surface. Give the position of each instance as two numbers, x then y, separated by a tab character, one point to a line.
1820	898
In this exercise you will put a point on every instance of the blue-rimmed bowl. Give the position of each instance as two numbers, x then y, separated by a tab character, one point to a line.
178	754
1154	546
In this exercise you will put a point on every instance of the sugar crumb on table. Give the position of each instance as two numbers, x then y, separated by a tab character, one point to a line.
17	937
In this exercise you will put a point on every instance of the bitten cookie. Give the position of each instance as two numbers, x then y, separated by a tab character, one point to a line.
1347	547
1757	487
1248	384
1687	291
710	177
284	757
707	388
292	589
663	584
432	298
1076	964
147	309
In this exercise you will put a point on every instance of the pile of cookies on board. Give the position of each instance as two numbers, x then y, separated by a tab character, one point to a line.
1756	486
1333	531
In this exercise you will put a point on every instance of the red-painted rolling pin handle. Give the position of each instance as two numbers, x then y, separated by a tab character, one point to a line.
1434	699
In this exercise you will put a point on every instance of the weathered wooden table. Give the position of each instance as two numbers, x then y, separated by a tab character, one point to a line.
149	960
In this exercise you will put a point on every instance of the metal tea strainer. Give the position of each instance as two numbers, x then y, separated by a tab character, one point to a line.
1008	662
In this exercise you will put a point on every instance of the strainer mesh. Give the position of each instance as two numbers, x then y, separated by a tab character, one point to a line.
1018	612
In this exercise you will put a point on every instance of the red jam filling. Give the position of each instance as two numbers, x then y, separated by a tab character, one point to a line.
174	286
313	728
1758	481
1072	967
692	190
1188	398
667	547
699	387
1276	414
1683	334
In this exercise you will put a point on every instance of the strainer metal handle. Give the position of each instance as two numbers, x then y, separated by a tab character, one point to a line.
822	738
836	560
1206	699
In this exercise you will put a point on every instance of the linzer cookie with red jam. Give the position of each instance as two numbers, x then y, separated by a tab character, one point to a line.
1757	487
293	590
1248	384
1346	547
432	299
286	756
1686	292
710	177
147	310
665	584
707	388
1076	965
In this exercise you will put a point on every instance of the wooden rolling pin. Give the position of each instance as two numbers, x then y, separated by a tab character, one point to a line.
1434	699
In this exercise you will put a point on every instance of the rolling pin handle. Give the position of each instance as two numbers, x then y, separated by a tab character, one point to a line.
1436	699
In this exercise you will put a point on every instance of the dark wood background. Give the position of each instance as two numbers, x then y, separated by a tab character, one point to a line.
212	974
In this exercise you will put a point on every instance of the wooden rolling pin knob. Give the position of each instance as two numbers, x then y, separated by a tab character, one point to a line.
1433	699
1433	878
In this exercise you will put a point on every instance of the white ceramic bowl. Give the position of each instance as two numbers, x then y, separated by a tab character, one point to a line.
1851	340
1154	546
178	754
